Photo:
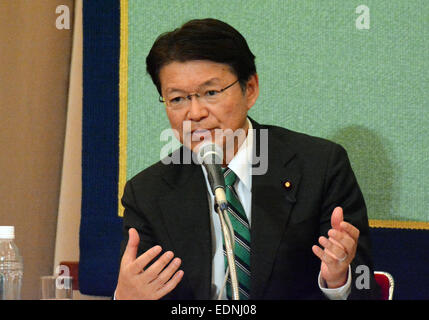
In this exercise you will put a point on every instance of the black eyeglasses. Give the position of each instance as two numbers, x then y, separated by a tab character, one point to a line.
208	96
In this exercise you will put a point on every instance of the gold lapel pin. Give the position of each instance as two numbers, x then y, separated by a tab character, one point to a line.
287	184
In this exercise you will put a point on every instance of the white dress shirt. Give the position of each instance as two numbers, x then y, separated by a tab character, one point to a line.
241	164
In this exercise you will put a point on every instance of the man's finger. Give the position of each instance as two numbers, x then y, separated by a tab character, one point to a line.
336	243
141	262
324	256
350	229
170	285
167	273
337	217
154	270
130	253
342	237
337	252
318	251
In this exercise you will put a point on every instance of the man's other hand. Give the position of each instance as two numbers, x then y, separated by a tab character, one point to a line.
136	282
339	250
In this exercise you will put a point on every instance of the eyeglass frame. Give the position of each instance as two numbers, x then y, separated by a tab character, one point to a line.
189	96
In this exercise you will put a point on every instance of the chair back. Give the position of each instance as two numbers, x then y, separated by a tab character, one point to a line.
386	283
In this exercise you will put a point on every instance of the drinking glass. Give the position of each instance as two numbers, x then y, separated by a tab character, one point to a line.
56	288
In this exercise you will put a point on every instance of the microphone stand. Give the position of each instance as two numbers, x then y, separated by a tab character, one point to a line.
210	156
229	240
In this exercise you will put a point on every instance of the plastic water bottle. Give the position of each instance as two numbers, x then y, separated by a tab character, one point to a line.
11	266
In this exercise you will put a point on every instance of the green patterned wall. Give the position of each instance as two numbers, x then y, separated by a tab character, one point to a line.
320	73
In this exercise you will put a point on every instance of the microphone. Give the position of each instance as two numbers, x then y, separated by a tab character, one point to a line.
210	155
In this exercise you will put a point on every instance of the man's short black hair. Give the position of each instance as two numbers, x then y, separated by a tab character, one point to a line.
202	39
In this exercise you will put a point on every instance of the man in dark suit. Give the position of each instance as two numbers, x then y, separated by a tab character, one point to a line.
308	194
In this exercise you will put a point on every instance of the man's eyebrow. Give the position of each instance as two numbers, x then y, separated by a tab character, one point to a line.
209	82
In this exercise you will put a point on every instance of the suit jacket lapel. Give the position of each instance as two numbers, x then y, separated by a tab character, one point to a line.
189	227
272	203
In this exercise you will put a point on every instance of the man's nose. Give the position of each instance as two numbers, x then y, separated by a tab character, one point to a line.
197	109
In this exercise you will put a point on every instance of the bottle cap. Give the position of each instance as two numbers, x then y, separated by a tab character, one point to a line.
7	232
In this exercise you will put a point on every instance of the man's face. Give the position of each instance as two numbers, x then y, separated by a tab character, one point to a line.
199	120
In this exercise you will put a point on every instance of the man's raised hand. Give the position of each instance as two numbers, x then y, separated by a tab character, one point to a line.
136	282
339	250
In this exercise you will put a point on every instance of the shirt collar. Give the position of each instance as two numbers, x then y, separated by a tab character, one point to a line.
241	164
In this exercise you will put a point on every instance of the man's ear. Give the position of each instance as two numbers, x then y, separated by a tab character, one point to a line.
252	90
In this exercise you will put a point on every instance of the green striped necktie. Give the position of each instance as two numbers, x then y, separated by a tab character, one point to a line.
241	227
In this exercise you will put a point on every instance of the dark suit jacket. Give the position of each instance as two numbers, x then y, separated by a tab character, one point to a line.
168	206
